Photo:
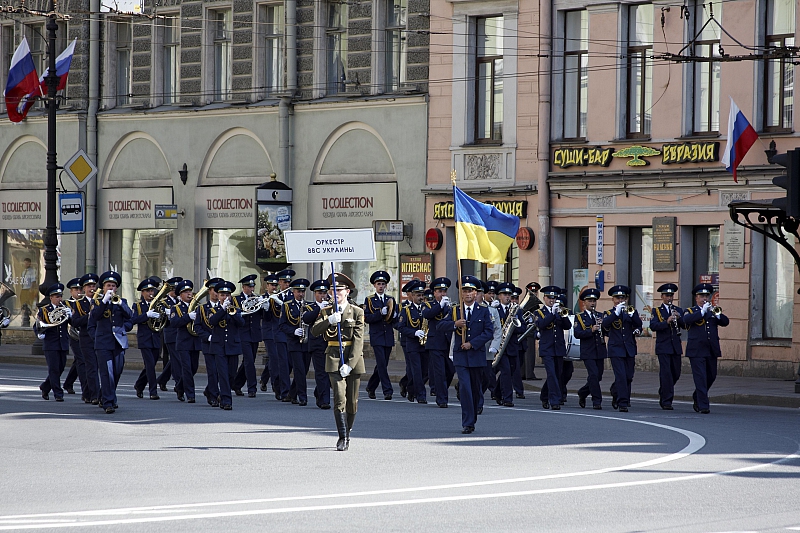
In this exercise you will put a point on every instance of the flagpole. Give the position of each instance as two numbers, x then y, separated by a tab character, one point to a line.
458	260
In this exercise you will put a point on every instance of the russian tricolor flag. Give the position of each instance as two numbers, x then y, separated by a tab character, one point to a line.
63	62
22	82
741	136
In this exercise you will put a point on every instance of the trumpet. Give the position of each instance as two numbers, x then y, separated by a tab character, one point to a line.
231	310
630	310
717	310
98	297
563	312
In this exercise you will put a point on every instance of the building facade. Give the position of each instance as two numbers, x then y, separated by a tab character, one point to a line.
200	102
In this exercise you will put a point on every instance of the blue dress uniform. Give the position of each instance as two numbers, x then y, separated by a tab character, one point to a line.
668	346
593	350
225	345
251	337
55	343
508	365
168	336
438	343
269	374
78	368
291	325
281	364
80	320
489	381
149	341
317	346
702	346
110	322
403	383
621	330
410	322
188	346
380	312
470	364
552	349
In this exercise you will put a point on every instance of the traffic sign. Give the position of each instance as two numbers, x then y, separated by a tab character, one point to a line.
80	168
388	230
166	216
71	212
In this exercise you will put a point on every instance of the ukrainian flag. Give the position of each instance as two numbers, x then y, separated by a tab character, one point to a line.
482	232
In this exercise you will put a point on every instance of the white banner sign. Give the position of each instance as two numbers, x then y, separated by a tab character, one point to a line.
351	205
225	207
23	209
130	208
310	246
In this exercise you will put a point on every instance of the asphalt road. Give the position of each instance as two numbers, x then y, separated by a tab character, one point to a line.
170	466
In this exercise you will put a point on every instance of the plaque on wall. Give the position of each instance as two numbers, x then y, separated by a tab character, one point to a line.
733	245
664	244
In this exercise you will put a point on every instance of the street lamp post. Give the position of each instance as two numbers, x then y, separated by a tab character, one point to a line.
50	235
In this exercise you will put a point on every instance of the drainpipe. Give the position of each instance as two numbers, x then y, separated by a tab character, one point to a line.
543	166
91	134
285	108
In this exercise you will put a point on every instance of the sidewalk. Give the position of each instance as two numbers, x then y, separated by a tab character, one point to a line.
726	389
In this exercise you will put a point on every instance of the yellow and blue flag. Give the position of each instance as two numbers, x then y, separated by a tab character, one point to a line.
482	232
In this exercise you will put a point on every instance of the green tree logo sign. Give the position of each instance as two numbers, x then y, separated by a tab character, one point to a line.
636	152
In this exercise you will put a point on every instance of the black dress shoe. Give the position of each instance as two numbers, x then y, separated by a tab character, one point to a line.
614	404
295	401
238	392
422	401
480	410
371	394
623	409
555	407
324	406
139	394
508	404
387	396
263	387
695	407
499	401
95	401
302	404
545	405
60	399
115	406
45	396
410	398
214	403
109	410
163	387
155	397
403	390
286	400
582	401
227	407
520	396
208	396
251	394
69	390
666	407
442	405
467	430
702	411
180	397
597	407
190	400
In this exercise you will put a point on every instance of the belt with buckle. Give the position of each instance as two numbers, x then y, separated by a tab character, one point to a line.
336	343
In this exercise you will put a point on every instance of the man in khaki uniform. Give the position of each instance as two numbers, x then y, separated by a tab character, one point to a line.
345	385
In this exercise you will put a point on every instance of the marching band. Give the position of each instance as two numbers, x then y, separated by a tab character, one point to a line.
482	339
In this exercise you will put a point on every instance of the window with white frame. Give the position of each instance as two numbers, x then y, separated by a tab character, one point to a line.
489	80
576	73
123	46
336	46
778	293
705	108
272	31
396	43
779	72
640	69
170	60
221	33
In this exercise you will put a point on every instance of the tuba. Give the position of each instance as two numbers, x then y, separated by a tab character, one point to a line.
5	294
193	305
157	304
512	322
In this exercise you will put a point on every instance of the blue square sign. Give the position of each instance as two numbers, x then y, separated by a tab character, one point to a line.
71	212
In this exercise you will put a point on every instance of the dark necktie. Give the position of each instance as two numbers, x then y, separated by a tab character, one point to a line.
469	313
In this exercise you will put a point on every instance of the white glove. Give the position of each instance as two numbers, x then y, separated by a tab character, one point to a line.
419	333
41	336
492	351
335	318
637	332
705	308
538	335
445	301
68	311
44	324
277	299
226	304
495	303
618	308
323	304
153	314
107	296
384	310
299	332
209	338
193	314
5	323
